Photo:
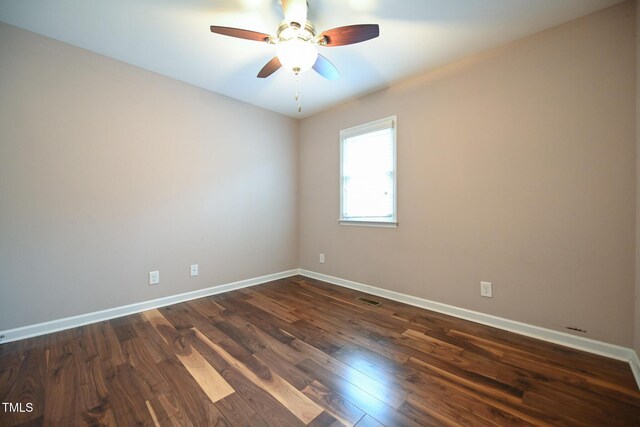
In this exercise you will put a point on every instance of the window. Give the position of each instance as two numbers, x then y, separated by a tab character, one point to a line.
368	174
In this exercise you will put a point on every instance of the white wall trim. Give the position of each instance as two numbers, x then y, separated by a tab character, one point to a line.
562	338
635	366
111	313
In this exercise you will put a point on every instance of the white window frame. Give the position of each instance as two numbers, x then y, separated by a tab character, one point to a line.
385	123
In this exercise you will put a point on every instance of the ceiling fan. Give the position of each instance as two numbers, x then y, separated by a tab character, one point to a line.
296	42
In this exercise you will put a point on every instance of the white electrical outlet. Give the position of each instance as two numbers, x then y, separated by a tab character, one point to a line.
321	258
154	277
194	270
486	289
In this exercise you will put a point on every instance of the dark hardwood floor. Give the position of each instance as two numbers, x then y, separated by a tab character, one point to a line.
302	352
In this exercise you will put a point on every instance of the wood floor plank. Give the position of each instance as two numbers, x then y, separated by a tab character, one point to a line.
261	401
107	343
29	390
270	306
208	378
190	398
307	299
152	412
529	377
390	395
59	402
288	371
369	421
325	419
137	356
487	386
332	330
92	391
375	365
101	415
569	375
203	312
299	404
258	340
427	413
317	337
283	331
564	358
123	329
298	351
272	325
437	343
238	412
341	409
443	402
177	315
357	396
125	395
10	364
424	381
585	406
211	382
214	359
168	411
155	345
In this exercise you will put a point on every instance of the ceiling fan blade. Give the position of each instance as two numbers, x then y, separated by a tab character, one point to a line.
295	11
325	68
270	68
240	33
351	34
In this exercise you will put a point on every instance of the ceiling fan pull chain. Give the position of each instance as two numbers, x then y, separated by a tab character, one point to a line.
298	97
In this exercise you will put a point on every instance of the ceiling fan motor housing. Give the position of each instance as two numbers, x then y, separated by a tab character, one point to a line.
296	46
289	30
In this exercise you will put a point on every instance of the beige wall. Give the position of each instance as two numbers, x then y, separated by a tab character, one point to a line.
515	167
637	311
108	171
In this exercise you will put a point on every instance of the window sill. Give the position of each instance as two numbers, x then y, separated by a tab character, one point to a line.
365	223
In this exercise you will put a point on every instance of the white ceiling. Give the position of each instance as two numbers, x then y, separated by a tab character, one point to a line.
172	37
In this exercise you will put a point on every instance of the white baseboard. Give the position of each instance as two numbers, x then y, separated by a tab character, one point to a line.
111	313
635	366
562	338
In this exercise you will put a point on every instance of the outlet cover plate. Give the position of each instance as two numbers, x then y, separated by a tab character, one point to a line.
194	270
486	289
154	277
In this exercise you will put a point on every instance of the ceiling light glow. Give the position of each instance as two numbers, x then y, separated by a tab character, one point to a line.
297	55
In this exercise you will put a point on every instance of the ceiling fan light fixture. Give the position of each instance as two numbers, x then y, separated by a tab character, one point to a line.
297	43
297	55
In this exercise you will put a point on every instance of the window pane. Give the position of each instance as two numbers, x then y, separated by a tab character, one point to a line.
368	153
368	196
368	175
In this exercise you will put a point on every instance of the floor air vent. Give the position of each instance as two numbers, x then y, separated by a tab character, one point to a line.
368	301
